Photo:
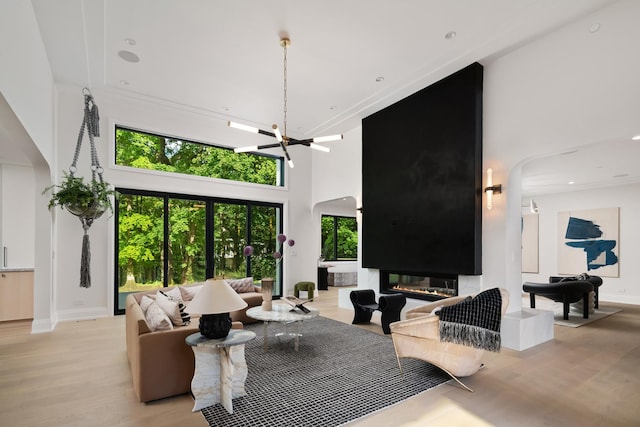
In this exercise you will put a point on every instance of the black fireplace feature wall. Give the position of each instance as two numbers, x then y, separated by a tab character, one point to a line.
419	286
422	180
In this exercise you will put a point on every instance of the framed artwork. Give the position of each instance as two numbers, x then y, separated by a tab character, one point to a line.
530	243
588	242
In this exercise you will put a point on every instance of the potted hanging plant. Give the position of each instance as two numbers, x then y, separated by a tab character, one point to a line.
88	200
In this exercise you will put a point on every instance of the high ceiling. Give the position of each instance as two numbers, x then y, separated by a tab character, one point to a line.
347	59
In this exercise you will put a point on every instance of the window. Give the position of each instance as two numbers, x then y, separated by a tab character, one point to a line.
339	236
155	152
172	239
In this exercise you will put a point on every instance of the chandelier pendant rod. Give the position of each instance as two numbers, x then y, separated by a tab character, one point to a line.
285	42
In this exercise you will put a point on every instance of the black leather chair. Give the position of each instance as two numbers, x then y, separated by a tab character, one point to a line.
596	281
564	292
364	304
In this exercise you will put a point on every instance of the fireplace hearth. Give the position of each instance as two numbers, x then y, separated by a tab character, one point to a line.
426	287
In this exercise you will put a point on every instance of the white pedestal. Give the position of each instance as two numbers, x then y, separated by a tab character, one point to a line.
526	328
220	369
344	300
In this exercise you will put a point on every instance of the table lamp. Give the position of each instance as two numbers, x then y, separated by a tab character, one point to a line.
214	302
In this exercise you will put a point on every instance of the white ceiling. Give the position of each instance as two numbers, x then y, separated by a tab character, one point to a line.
224	57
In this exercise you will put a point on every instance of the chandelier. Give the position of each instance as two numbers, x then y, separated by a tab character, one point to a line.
283	139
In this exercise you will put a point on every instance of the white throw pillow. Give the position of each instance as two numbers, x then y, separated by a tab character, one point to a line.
153	314
171	307
145	302
173	293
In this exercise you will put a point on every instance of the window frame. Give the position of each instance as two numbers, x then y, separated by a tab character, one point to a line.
280	162
210	201
335	236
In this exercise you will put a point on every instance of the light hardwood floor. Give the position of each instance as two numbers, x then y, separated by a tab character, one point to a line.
589	376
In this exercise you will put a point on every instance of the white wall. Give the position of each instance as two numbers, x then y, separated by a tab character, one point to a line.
622	289
26	81
339	173
73	302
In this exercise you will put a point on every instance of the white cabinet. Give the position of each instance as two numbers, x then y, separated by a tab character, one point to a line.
17	216
16	295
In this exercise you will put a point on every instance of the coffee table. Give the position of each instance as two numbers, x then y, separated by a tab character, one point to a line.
282	313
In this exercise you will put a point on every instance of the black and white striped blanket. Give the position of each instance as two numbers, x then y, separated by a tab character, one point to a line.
474	322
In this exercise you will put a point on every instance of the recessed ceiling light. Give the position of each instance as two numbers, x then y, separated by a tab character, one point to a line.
571	182
128	56
130	42
594	27
379	79
450	35
124	83
636	138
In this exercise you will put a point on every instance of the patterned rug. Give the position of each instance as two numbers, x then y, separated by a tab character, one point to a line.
339	374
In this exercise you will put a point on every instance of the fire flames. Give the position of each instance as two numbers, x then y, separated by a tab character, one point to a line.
440	292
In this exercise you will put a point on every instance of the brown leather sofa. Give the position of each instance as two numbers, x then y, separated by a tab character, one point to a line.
162	364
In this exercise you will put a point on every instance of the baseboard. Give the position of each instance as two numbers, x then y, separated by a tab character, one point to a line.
41	326
619	298
87	313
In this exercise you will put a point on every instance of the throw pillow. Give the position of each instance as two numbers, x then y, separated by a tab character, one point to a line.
153	314
241	285
145	302
170	307
175	295
188	292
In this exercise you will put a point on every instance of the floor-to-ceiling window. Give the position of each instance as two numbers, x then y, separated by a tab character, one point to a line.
171	239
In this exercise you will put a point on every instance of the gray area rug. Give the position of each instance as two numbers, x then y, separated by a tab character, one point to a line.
339	374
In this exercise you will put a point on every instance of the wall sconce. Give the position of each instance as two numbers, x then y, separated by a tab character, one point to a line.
359	209
491	189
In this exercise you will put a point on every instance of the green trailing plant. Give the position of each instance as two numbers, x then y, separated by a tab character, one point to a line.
80	198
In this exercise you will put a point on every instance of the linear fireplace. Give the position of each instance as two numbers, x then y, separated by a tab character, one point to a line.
415	285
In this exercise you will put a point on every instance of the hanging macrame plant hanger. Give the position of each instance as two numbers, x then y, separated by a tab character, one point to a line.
88	213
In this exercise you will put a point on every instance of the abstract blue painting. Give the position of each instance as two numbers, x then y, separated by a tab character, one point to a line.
589	241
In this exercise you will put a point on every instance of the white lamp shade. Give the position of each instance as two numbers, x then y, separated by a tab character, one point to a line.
215	297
